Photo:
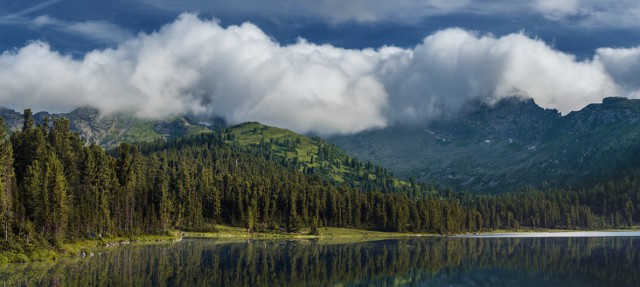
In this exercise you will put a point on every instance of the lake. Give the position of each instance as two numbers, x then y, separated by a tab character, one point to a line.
438	261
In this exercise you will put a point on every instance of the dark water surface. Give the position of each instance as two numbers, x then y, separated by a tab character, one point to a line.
541	261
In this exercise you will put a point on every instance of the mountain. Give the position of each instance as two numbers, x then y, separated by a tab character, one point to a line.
309	155
511	145
315	156
109	130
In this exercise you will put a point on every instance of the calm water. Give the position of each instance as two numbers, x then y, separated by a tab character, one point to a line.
541	261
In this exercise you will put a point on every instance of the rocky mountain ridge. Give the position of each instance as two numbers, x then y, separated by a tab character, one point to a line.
110	130
508	146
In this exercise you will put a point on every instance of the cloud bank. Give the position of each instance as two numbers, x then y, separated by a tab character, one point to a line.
240	73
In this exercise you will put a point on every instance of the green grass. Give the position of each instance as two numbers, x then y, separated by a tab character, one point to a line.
196	130
143	131
42	254
329	234
333	165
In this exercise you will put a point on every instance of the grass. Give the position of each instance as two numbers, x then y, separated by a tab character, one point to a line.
225	233
289	145
328	234
88	246
143	131
85	247
251	134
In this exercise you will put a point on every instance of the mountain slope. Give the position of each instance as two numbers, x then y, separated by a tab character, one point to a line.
309	155
511	145
314	156
109	130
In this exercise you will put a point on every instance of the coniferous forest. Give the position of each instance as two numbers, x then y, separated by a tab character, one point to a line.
55	189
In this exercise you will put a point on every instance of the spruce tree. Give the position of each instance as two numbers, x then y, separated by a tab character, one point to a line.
7	180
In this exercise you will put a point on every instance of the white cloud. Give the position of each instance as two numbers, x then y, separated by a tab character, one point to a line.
333	11
595	14
453	66
198	66
18	17
101	31
337	11
623	65
555	9
238	72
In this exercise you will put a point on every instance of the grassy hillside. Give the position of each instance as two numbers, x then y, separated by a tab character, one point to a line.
314	156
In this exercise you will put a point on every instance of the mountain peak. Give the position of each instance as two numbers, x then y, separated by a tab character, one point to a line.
512	117
612	111
614	100
86	113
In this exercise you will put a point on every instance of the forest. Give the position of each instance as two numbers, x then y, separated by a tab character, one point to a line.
55	189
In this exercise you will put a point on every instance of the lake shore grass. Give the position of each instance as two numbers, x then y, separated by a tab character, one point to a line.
225	233
332	235
81	248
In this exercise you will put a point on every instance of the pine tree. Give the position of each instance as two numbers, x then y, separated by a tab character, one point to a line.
7	179
28	120
56	187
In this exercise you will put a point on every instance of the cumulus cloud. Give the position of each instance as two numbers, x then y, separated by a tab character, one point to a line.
240	73
199	67
623	65
453	66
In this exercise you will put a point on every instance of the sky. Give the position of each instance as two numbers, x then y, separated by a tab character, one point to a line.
324	66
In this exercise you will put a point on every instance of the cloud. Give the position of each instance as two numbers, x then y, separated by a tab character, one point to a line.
593	14
623	65
557	10
620	14
17	17
453	66
101	31
333	11
197	66
240	73
365	11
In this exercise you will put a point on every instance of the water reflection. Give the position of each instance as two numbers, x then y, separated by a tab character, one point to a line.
420	262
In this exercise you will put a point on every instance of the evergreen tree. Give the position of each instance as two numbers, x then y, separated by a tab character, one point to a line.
28	123
7	180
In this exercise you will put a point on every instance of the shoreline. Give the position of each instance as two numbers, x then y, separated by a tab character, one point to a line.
327	235
554	234
335	235
83	248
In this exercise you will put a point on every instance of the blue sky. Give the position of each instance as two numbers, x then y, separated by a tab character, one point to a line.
325	66
574	26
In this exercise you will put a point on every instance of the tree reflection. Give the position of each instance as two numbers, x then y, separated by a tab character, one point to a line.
434	261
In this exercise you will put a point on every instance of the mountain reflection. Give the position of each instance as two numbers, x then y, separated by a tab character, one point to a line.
420	262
